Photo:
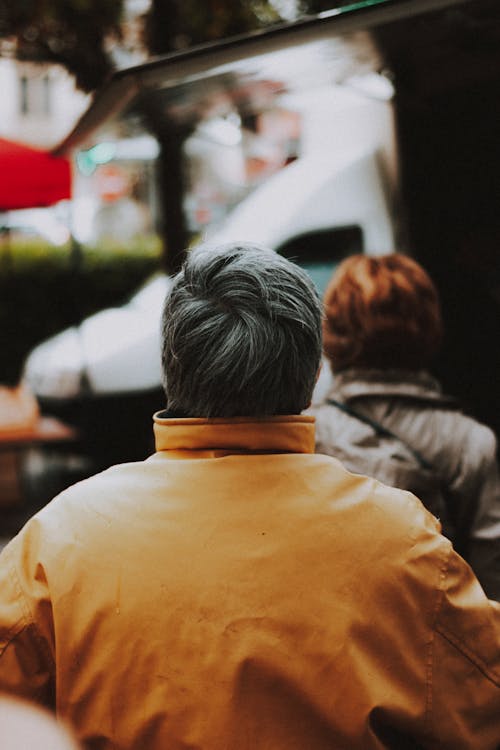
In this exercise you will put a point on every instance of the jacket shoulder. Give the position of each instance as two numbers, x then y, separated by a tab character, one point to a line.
395	512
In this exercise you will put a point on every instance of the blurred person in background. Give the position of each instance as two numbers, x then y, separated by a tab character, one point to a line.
386	416
24	726
237	590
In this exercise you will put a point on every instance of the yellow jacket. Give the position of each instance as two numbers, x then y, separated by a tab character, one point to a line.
237	592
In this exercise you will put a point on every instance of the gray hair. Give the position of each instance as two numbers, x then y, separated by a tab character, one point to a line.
241	334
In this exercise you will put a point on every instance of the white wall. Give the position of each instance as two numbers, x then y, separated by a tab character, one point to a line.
40	128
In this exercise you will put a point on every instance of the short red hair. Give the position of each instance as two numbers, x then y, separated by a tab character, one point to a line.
381	312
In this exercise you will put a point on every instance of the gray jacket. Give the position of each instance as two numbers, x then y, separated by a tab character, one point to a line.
461	450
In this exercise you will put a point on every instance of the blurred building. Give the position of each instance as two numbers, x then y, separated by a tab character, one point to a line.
40	103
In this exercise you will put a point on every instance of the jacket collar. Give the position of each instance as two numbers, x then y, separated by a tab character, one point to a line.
282	434
356	383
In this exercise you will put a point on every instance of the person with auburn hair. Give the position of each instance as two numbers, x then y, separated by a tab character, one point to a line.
387	417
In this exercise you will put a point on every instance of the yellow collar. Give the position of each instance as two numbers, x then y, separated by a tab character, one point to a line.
283	434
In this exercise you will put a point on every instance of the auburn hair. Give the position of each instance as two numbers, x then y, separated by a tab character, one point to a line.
383	312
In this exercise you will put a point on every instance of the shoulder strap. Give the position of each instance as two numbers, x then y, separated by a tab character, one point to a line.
458	533
381	430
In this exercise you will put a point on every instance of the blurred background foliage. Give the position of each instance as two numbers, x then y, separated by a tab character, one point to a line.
43	291
77	34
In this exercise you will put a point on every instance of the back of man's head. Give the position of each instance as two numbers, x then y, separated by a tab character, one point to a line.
241	334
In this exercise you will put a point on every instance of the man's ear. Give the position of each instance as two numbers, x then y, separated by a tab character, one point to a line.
319	371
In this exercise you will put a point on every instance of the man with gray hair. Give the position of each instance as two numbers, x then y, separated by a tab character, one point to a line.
235	591
241	335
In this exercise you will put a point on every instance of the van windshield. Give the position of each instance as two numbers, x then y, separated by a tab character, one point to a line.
320	252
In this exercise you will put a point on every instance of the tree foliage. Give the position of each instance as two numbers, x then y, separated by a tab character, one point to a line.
176	24
72	33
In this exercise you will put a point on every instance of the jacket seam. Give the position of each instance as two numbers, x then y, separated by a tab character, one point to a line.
454	640
12	633
26	616
431	648
469	654
27	619
39	692
23	601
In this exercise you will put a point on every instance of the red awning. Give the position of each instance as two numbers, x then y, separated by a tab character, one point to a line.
31	177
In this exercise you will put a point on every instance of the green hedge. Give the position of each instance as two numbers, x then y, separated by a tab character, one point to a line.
44	289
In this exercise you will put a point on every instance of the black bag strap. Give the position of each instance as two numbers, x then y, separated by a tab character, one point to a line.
382	431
